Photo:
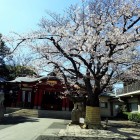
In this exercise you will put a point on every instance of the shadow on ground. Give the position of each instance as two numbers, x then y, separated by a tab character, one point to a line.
125	128
130	133
59	125
16	120
66	115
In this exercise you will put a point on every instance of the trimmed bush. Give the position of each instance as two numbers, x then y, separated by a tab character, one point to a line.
123	115
126	114
135	117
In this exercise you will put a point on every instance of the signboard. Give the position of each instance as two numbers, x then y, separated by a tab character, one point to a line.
51	83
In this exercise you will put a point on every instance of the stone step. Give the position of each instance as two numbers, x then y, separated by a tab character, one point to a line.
26	113
42	113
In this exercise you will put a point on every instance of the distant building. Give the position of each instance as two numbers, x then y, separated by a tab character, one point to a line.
108	104
130	94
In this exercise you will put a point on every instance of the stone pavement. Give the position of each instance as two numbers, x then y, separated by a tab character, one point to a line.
56	129
38	113
29	128
76	133
116	130
126	128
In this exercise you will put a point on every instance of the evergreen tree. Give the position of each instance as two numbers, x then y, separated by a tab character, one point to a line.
17	71
4	50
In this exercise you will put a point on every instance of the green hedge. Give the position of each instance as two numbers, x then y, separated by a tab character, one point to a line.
135	117
126	114
123	115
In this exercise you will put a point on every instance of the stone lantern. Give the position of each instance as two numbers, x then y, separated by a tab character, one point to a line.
78	110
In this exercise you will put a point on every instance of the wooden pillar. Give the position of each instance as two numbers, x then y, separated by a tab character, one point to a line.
67	104
40	93
111	109
19	98
63	103
36	100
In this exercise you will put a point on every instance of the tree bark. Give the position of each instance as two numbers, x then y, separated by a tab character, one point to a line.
93	116
93	93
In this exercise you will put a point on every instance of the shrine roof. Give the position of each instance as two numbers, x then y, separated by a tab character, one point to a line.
48	78
24	79
2	79
33	79
109	94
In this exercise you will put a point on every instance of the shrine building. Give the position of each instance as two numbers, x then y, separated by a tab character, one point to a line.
40	93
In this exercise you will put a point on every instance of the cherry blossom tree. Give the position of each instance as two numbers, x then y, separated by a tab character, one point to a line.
93	43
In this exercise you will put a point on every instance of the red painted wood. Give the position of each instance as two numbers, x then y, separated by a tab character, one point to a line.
40	94
19	96
63	103
36	99
67	104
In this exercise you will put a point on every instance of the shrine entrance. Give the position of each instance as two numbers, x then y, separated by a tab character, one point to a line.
51	101
27	99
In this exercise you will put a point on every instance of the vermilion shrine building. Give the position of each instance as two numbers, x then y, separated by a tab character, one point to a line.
48	93
40	93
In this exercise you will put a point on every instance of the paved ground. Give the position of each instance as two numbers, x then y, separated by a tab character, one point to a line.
22	128
116	130
17	127
4	126
125	128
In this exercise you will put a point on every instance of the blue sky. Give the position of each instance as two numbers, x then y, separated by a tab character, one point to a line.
21	16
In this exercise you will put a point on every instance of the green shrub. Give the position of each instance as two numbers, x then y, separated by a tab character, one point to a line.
123	115
135	117
126	114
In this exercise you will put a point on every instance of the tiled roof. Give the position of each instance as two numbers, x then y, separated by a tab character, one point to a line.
2	79
110	94
33	79
24	79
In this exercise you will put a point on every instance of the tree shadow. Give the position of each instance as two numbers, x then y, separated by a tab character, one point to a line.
66	115
16	120
127	131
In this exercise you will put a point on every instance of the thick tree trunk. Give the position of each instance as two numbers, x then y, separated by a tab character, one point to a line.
93	117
